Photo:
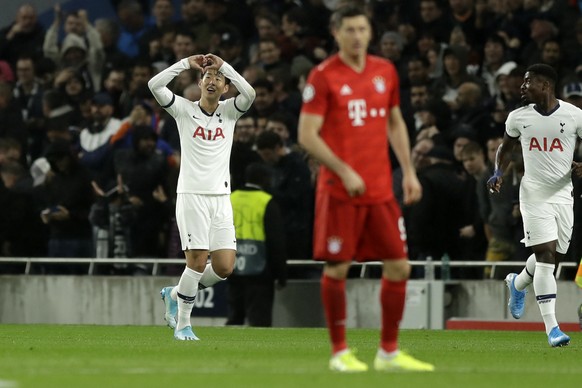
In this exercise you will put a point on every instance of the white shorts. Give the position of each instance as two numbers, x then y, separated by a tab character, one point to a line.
205	222
545	222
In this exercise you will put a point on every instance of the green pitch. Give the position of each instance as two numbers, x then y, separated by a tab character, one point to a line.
138	356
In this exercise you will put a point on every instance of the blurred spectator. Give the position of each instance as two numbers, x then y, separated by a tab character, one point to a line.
11	118
81	50
494	58
261	255
162	15
433	19
143	170
284	125
6	73
299	37
242	153
133	26
434	222
59	115
463	15
391	46
95	150
28	92
268	27
109	32
184	44
470	114
232	49
541	30
66	198
21	214
23	37
454	74
552	55
270	56
265	103
572	93
285	91
139	75
474	240
292	189
10	150
496	212
115	85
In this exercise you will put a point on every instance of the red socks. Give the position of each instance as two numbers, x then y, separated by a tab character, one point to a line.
333	297
392	299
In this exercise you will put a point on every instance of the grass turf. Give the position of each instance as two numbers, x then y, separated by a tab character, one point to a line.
146	356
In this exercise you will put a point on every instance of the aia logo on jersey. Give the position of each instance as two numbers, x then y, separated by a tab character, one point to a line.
208	134
544	144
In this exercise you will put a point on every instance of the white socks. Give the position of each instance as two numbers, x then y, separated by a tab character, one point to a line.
545	288
186	293
209	277
188	287
525	277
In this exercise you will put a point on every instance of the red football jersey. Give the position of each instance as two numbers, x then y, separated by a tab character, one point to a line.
356	108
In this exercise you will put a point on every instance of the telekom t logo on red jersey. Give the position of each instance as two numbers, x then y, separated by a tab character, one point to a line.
357	112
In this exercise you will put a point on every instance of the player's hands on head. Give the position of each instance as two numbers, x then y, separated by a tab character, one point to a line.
577	168
212	61
197	62
353	182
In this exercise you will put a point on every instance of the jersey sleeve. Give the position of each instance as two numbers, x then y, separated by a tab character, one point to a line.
395	85
578	117
315	94
511	127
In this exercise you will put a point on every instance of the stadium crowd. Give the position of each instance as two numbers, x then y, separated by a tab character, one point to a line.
89	160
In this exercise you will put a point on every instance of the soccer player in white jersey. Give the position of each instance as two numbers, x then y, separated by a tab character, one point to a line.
203	208
547	129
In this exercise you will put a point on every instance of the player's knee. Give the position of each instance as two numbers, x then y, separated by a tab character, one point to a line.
397	270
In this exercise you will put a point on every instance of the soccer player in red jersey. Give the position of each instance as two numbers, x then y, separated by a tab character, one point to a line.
350	105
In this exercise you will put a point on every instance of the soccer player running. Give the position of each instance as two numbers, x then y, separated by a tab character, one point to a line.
350	103
547	129
203	208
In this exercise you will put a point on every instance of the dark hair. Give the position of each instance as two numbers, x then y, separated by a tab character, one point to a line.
263	83
545	71
472	148
258	174
226	80
268	140
347	11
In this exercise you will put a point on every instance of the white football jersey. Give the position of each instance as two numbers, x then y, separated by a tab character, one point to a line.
205	139
548	142
206	143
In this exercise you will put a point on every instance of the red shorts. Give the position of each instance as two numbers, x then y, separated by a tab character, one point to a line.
345	232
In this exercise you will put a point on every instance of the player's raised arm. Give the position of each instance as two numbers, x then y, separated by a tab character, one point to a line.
158	84
247	94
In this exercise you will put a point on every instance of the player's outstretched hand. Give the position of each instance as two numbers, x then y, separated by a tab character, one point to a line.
197	62
577	168
212	61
